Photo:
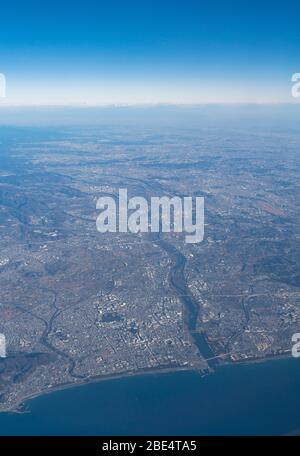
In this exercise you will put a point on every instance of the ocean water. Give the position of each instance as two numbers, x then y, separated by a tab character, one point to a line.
250	399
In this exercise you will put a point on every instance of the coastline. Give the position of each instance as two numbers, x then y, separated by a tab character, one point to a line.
20	408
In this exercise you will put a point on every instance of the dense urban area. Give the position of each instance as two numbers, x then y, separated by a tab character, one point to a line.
78	306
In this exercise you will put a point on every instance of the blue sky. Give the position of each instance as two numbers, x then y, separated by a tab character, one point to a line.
96	52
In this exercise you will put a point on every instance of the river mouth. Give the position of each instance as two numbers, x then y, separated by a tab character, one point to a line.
267	404
178	283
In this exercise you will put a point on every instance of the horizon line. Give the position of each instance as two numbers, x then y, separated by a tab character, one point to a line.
151	105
